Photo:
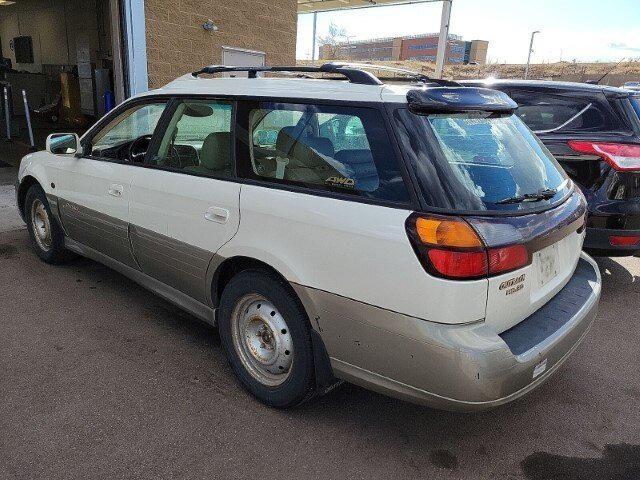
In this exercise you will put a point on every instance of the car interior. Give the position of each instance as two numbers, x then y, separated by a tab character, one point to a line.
190	145
314	152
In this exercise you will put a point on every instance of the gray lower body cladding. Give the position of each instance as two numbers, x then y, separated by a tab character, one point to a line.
173	295
175	263
96	230
455	367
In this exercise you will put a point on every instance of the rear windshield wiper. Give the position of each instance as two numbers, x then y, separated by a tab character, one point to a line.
545	194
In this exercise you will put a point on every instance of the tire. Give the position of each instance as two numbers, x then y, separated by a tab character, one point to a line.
46	233
266	335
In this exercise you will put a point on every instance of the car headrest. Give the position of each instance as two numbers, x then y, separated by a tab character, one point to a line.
304	151
216	151
285	141
321	145
308	153
290	142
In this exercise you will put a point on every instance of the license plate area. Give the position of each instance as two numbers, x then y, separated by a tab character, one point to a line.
547	262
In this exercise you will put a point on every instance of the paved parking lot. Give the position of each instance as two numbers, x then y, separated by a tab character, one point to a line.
101	379
9	217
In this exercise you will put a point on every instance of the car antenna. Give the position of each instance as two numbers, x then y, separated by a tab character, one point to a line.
597	82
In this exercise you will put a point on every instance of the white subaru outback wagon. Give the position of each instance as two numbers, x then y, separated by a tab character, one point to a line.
414	238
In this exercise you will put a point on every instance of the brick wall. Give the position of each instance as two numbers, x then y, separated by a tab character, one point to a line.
177	43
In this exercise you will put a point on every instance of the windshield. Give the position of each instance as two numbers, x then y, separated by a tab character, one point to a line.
480	162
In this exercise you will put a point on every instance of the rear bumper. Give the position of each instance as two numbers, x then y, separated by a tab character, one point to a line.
611	217
456	367
598	242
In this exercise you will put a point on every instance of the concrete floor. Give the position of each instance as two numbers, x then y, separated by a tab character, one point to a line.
101	379
9	216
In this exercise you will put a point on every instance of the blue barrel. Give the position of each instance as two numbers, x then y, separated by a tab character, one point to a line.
109	101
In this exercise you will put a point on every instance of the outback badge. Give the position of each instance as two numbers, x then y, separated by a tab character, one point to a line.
513	285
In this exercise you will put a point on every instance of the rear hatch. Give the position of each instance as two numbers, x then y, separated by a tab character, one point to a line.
600	148
553	240
484	167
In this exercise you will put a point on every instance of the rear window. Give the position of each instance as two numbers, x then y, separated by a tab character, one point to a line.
550	113
479	162
548	117
329	148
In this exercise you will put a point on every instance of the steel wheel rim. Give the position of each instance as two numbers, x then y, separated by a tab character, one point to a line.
41	225
262	340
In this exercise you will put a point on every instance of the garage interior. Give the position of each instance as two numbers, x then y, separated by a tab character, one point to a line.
67	56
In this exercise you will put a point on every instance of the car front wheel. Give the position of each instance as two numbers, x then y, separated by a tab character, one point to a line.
46	234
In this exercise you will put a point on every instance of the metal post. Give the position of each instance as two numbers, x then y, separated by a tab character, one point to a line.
28	115
136	45
7	114
313	43
526	70
444	36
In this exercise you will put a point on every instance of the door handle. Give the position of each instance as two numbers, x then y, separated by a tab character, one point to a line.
115	190
217	214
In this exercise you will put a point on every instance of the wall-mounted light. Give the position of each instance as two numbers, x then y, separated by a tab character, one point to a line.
4	3
209	26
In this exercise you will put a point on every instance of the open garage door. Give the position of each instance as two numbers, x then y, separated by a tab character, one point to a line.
74	59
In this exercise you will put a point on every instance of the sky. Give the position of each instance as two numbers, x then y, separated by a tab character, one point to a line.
587	30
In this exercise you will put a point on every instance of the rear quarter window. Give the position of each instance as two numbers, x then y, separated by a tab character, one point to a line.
338	149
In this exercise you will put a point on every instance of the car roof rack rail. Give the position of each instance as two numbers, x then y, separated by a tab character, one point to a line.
354	75
354	72
402	74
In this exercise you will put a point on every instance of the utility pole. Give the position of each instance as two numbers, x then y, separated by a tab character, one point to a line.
313	43
444	36
526	71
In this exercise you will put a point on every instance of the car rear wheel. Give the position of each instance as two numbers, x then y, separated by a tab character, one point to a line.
46	234
265	332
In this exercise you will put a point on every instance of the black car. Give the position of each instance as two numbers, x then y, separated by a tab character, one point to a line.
594	132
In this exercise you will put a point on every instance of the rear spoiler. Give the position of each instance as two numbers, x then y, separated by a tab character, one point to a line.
459	99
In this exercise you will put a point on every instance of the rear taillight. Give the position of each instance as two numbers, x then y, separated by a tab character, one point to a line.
624	240
449	247
452	264
621	156
506	259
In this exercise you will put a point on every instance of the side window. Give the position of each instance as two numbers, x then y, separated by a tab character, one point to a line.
128	136
198	139
267	128
329	148
543	113
345	131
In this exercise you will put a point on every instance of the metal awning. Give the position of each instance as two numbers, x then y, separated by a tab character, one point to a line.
310	6
317	6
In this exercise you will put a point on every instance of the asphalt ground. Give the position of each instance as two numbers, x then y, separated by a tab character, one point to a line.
100	379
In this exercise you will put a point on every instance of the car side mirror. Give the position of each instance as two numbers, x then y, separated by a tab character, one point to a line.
64	144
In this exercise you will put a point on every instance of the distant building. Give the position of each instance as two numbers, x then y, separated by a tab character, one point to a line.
417	47
478	51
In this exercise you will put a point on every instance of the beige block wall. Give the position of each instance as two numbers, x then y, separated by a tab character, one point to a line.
177	43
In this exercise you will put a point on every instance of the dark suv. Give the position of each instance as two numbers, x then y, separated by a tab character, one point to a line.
594	132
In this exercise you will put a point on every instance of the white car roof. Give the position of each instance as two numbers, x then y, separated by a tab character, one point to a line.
302	88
